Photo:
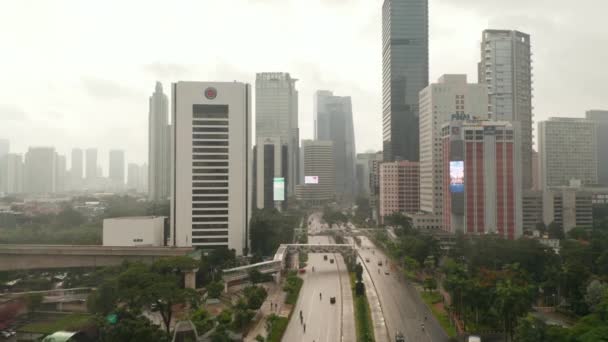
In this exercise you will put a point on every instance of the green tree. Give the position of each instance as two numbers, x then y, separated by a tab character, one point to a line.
104	299
531	329
430	284
556	231
215	289
513	298
129	327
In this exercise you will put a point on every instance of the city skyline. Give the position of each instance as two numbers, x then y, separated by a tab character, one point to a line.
89	100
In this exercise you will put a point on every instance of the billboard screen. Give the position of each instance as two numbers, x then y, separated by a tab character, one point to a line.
278	188
311	179
457	176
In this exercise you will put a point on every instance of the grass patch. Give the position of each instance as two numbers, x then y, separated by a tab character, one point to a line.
278	325
72	322
293	286
363	315
303	259
431	298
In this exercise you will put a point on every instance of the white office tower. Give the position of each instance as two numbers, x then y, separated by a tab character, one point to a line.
438	102
116	170
40	170
159	146
211	174
12	169
506	69
568	151
276	110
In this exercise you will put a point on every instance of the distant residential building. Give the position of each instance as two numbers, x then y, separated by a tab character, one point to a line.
319	181
506	69
451	95
61	173
40	170
600	117
276	103
77	169
271	158
426	221
405	72
482	189
211	176
91	166
567	150
333	118
116	170
13	170
399	188
532	209
364	171
568	207
159	146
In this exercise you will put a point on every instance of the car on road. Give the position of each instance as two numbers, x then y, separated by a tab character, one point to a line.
331	261
325	257
302	270
474	339
332	300
386	272
366	259
379	262
399	337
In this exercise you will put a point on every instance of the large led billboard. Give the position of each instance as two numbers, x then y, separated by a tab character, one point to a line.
278	187
311	179
457	176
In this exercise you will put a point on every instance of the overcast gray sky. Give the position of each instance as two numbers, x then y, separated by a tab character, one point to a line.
79	73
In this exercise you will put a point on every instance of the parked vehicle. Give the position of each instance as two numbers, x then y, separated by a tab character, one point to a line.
332	300
366	259
331	261
399	337
302	270
379	262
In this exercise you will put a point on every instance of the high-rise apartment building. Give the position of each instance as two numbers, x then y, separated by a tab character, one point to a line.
76	169
482	189
12	165
91	165
399	188
211	176
319	175
333	118
568	150
271	158
276	110
133	177
159	146
117	168
61	173
40	170
405	72
600	117
439	102
506	69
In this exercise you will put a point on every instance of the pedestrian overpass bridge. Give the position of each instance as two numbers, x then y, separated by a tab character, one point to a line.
237	275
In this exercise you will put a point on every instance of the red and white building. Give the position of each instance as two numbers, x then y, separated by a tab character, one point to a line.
482	180
399	185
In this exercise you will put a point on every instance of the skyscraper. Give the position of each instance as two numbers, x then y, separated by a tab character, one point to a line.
117	168
506	68
600	117
333	117
568	150
482	190
399	188
271	160
76	171
4	149
405	72
40	170
211	178
61	175
364	171
319	175
91	166
276	108
451	95
14	173
159	146
133	176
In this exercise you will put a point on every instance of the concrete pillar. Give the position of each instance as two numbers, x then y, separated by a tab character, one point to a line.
277	277
190	279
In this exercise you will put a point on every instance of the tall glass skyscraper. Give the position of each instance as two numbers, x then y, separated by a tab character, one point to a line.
405	72
159	146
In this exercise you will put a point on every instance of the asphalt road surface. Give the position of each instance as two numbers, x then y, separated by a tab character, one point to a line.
402	307
323	320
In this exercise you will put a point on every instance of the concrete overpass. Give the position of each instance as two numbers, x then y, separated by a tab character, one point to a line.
28	257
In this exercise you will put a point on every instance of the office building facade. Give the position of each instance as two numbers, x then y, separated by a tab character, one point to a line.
399	188
567	150
319	174
600	117
482	188
116	171
405	72
211	175
333	119
506	69
364	172
276	104
439	102
159	146
13	171
61	173
271	160
568	207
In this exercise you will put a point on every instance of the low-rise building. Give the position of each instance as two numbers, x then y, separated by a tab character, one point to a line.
134	231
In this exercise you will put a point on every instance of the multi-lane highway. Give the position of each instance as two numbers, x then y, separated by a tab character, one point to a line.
324	321
402	307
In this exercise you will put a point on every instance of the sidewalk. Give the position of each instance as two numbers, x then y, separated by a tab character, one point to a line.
276	296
